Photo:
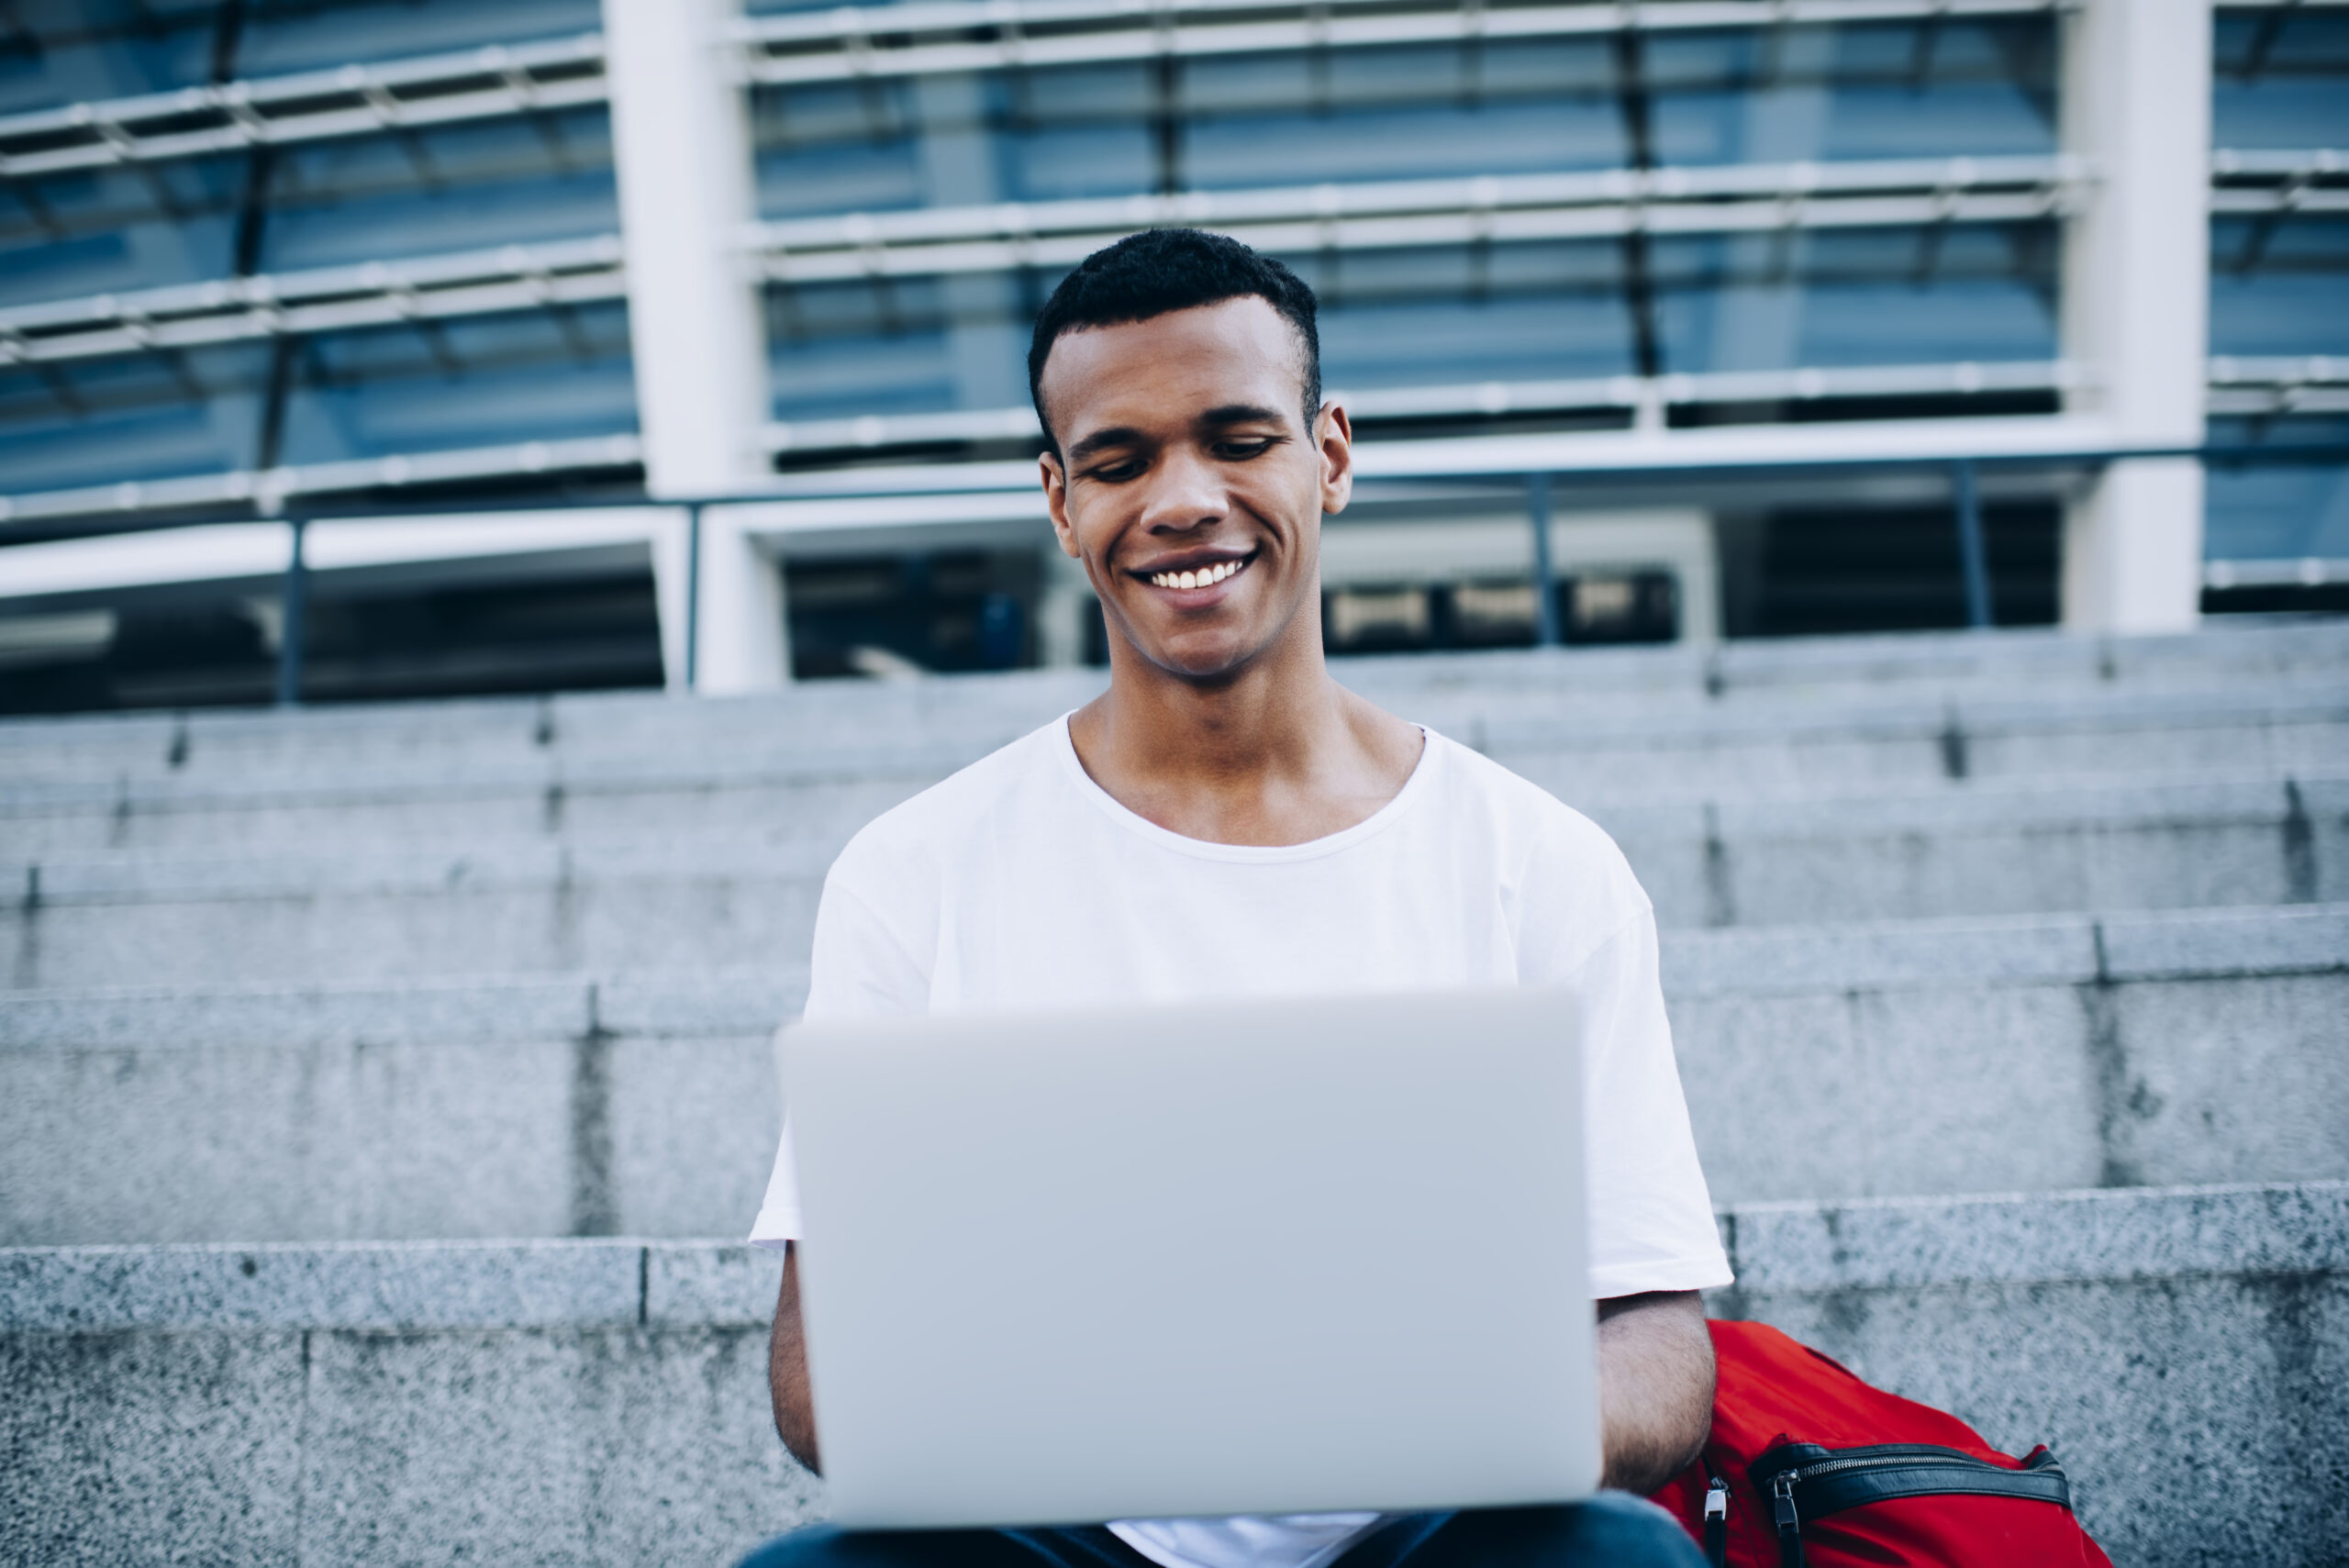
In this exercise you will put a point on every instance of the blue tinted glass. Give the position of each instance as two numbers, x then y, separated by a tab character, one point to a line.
1898	91
1880	296
100	52
839	350
1376	344
2276	513
876	176
2281	80
464	187
2279	287
143	254
130	419
1400	144
484	381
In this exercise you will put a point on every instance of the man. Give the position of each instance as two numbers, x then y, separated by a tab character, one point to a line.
1226	822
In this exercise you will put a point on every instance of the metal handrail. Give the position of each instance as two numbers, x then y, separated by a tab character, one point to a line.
1964	473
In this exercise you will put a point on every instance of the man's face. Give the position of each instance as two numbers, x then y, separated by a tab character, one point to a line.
1190	487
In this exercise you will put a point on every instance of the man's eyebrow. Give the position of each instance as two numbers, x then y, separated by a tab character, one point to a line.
1103	440
1240	414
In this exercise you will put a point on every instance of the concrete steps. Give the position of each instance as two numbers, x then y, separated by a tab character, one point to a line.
591	1402
343	1047
423	739
1930	1057
717	897
697	771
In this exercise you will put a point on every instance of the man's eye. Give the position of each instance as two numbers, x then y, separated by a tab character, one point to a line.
1244	447
1114	472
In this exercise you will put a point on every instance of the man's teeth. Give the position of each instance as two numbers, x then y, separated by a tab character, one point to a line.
1206	576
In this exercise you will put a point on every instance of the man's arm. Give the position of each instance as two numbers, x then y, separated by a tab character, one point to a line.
1655	1387
794	1412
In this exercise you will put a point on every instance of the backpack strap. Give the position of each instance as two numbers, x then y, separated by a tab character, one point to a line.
1716	1520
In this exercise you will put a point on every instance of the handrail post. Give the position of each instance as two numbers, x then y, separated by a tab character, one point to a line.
1973	553
693	594
293	607
1545	581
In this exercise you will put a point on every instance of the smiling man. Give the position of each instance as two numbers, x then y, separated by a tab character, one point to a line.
1225	821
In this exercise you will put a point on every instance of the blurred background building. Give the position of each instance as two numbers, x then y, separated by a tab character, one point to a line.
397	337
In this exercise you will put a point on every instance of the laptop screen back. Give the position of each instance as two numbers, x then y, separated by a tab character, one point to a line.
1257	1258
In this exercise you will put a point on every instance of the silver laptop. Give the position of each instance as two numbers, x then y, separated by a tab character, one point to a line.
1238	1259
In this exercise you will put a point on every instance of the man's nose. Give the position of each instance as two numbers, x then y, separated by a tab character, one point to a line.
1185	492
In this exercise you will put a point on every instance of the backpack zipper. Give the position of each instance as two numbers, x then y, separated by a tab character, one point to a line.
1806	1479
1789	1522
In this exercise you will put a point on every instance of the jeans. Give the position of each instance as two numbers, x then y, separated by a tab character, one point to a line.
1613	1529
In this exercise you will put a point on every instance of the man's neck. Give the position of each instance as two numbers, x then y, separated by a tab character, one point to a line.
1276	753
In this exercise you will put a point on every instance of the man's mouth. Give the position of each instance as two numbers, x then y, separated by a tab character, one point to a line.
1207	575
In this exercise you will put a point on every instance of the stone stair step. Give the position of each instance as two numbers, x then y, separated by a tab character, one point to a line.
424	736
2023	1053
715	897
584	1402
792	785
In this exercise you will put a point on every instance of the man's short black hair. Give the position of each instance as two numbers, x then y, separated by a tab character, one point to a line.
1160	270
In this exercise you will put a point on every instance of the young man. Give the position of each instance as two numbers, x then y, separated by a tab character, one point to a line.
1226	820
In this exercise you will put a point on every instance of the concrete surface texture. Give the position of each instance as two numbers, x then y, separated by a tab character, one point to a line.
564	1402
2020	1053
373	1080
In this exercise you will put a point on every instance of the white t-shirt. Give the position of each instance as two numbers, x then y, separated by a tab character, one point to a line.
1021	883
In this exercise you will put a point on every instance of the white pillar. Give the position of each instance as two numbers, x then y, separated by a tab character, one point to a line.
681	153
673	573
2136	294
744	646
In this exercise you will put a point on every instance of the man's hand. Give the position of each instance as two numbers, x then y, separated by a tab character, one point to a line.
795	1411
1655	1387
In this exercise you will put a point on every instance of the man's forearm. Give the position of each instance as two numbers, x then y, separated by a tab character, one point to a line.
1655	1387
794	1409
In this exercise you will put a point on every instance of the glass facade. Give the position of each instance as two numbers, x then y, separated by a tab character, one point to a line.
2279	279
110	238
369	256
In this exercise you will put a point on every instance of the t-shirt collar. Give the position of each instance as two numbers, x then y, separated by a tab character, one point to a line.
1257	854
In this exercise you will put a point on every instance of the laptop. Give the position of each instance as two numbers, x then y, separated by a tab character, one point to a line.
1249	1257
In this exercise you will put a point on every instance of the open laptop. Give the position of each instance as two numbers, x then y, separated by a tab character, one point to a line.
1268	1257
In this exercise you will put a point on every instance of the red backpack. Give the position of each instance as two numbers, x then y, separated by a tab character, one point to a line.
1809	1465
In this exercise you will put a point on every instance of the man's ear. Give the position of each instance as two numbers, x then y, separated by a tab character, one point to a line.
1055	479
1333	436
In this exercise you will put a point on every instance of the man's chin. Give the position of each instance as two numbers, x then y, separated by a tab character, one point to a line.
1203	661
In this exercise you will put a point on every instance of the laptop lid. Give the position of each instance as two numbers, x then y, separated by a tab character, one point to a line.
1264	1257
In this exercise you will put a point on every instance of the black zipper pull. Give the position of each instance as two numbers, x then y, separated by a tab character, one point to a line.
1781	1509
1717	1521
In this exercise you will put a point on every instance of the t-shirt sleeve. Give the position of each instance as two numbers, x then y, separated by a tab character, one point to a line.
859	968
1650	1216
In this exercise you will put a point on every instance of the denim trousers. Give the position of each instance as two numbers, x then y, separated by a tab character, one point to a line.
1613	1529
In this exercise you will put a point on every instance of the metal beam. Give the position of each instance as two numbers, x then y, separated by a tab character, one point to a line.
1397	213
1972	551
311	105
267	491
1490	399
1545	575
379	293
853	43
293	616
856	43
2269	386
